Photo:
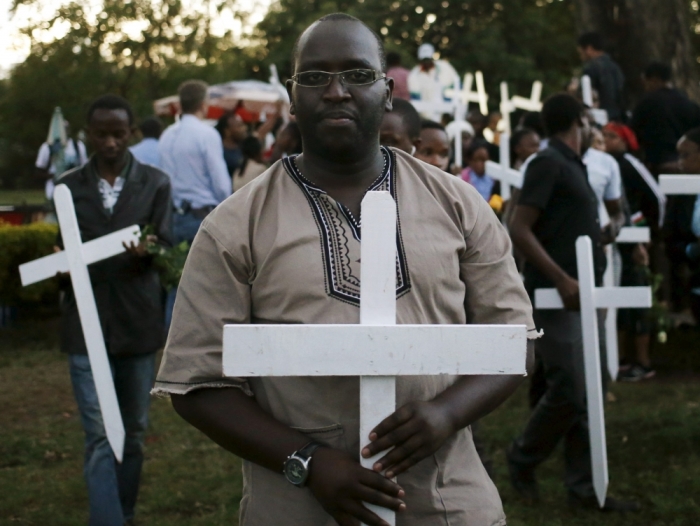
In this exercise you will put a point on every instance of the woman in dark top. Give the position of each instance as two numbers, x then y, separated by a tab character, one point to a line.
646	206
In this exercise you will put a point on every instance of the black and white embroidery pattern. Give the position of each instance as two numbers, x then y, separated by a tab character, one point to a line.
341	282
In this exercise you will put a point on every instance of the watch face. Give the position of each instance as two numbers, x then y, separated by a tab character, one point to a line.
295	471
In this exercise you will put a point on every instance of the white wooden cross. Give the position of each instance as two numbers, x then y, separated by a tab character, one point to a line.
75	259
628	234
509	105
591	299
686	184
377	350
502	171
599	115
466	95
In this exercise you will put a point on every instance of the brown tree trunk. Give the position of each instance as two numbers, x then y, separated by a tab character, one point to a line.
642	31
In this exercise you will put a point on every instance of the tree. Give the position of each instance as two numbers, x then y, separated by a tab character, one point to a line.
640	31
514	40
103	52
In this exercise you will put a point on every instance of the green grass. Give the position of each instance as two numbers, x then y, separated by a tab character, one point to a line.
653	445
21	197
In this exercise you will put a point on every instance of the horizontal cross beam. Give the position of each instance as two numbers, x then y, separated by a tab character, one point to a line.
93	251
603	298
364	350
633	234
679	184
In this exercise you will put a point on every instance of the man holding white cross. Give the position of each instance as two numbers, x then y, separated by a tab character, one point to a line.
286	250
111	192
555	207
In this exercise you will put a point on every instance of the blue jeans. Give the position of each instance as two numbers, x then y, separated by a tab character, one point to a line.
113	487
185	227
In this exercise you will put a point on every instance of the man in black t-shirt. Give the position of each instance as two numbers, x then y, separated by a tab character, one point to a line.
557	205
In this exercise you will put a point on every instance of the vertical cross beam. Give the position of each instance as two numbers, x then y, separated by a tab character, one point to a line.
591	357
504	159
90	321
377	307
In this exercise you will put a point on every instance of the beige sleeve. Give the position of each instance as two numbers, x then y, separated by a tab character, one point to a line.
214	291
495	293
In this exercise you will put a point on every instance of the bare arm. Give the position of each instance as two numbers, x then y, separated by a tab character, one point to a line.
236	422
617	220
533	251
418	429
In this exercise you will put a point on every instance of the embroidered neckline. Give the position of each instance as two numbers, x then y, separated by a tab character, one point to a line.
340	281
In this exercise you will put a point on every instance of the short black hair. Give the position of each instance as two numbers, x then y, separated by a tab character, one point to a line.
592	39
693	135
111	102
151	127
431	125
338	17
409	116
533	121
560	112
658	70
393	59
474	146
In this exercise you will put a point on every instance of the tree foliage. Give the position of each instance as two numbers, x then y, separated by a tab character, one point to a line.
518	41
140	49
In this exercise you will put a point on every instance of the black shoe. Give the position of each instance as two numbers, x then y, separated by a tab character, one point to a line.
611	504
523	480
636	373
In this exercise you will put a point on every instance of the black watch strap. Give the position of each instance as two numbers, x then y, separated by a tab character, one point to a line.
308	450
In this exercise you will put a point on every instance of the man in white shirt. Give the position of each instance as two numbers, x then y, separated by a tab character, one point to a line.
428	80
74	155
192	154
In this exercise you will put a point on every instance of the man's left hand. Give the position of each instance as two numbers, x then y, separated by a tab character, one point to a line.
140	249
415	431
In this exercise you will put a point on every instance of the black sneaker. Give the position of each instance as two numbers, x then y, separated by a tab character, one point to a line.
611	504
636	373
523	480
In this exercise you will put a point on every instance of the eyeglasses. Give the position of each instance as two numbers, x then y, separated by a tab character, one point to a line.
353	77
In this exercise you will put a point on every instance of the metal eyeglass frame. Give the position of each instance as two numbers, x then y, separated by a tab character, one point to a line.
376	75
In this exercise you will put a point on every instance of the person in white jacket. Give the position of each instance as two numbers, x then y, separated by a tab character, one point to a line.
430	78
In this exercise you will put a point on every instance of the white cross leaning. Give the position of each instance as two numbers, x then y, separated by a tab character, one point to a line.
377	350
75	259
593	298
502	171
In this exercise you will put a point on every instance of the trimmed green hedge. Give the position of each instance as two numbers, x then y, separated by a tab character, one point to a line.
20	244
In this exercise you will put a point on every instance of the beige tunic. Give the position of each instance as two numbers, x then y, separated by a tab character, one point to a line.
280	250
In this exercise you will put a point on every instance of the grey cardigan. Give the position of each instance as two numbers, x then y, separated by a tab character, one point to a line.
127	288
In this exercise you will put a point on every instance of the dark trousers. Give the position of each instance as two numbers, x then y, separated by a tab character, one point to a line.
561	413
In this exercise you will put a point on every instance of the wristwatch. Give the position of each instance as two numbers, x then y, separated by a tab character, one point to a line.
296	467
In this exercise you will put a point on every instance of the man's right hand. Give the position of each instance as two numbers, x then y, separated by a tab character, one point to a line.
341	485
568	290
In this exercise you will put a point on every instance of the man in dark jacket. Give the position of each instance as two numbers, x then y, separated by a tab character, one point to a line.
606	76
113	191
661	118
